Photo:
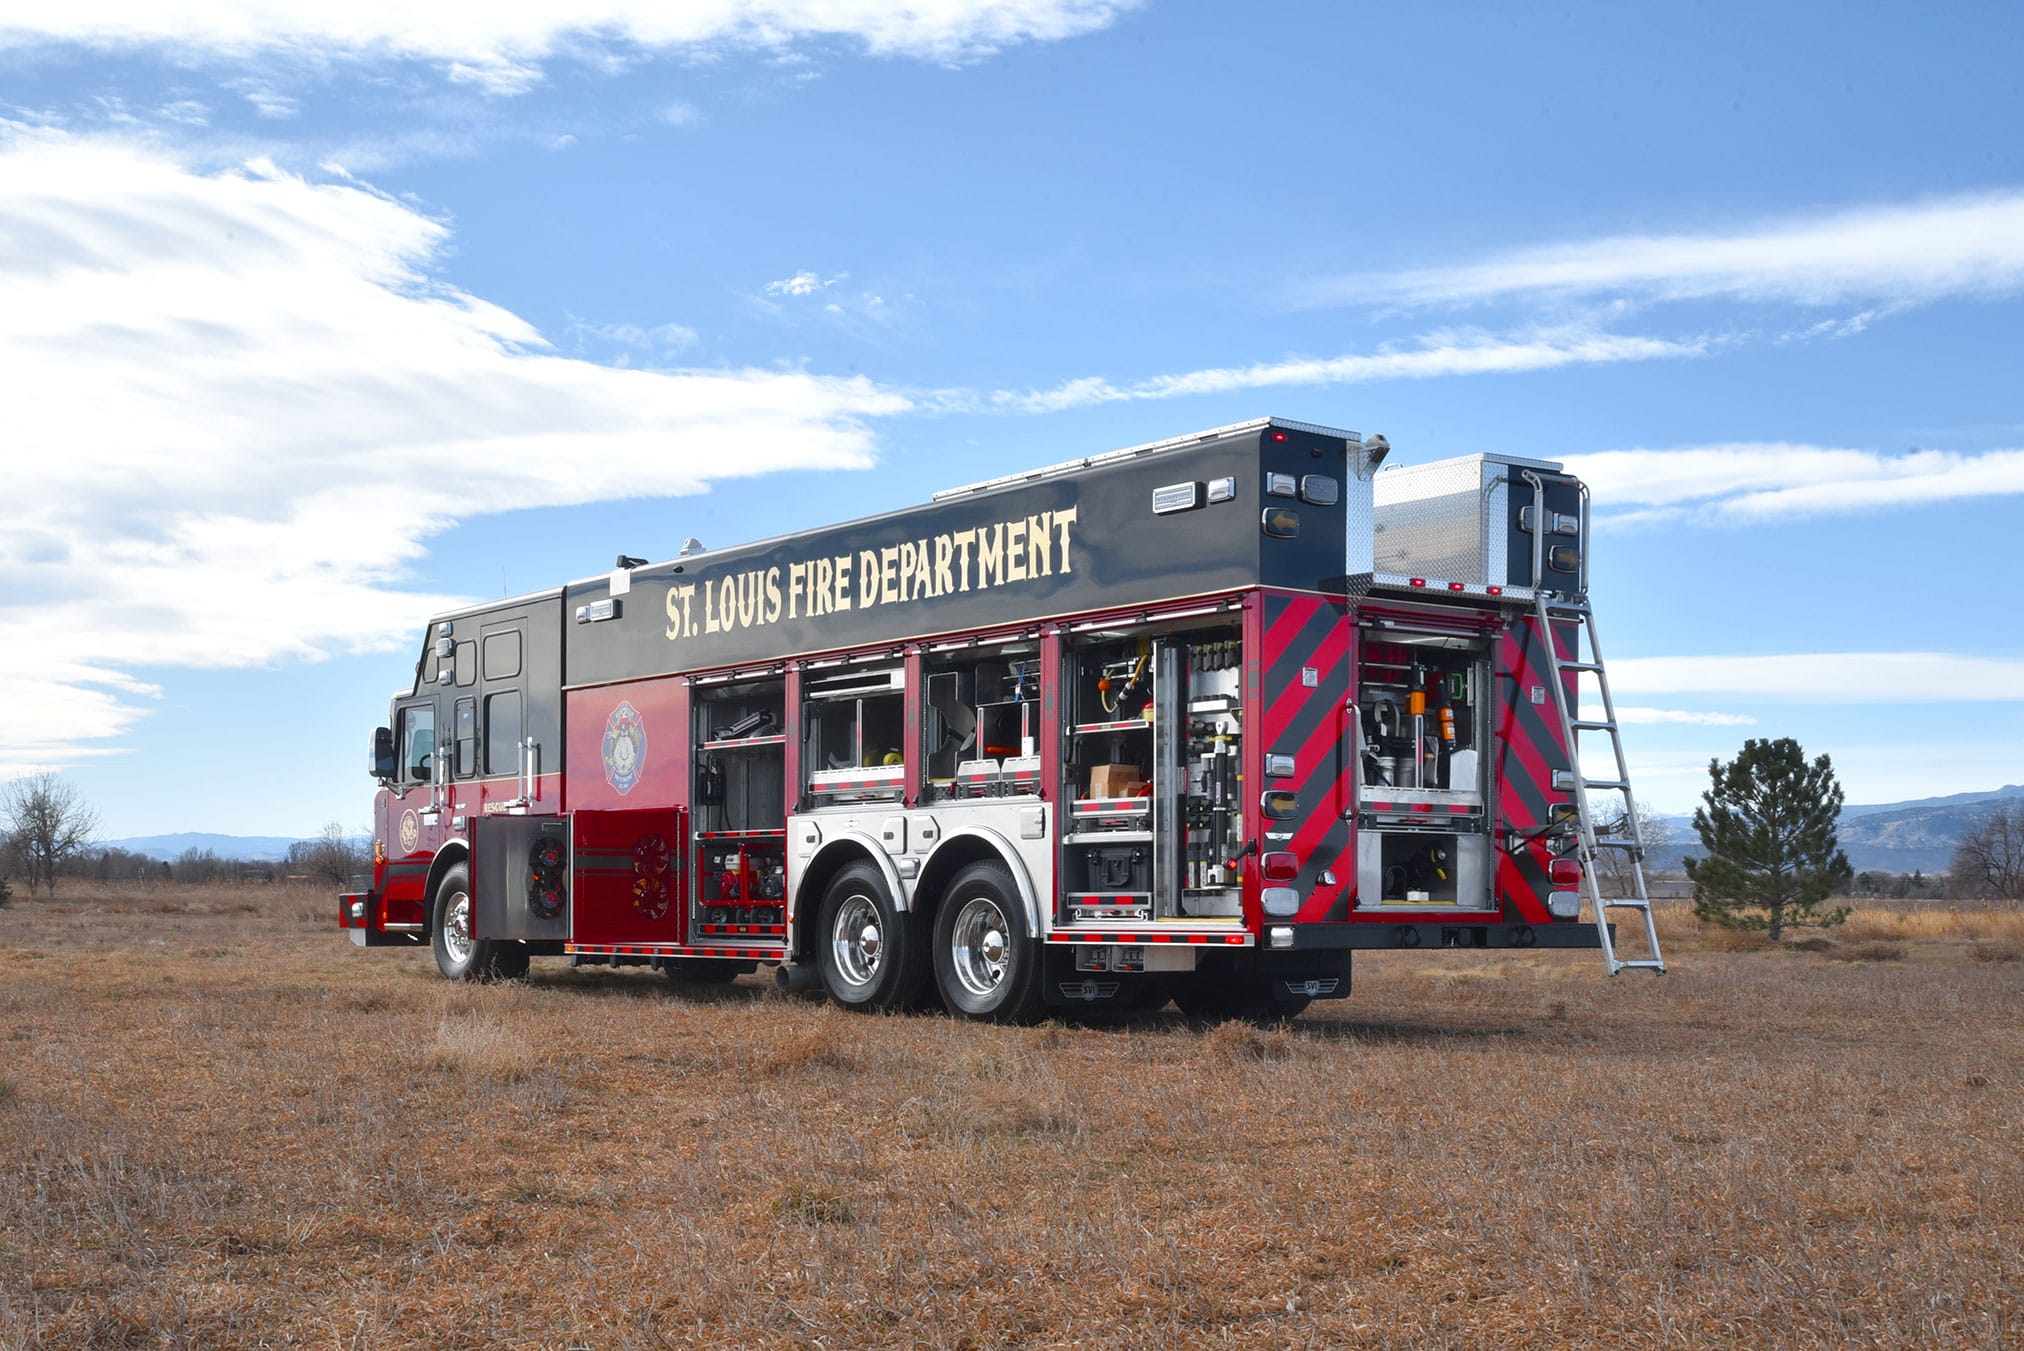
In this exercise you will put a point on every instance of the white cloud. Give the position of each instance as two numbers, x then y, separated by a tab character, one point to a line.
802	283
1652	717
1441	353
1888	254
500	47
1755	480
1828	677
235	406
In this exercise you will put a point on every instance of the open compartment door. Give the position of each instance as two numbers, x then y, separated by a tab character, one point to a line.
520	877
631	883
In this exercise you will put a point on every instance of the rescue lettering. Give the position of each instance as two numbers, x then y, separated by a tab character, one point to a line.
1000	554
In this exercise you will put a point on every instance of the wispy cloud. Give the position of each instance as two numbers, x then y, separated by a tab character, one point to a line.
1677	717
1888	255
501	47
236	405
1827	677
1447	352
803	283
1755	480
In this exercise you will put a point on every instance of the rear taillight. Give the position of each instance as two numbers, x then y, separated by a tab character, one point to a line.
1565	872
1279	867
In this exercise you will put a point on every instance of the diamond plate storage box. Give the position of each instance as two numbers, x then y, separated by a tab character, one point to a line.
1469	519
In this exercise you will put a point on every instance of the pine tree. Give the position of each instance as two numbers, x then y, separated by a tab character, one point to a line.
1769	829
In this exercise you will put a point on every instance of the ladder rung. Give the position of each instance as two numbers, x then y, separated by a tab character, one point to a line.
1641	964
1615	844
1581	726
1566	607
1605	784
1627	903
1595	666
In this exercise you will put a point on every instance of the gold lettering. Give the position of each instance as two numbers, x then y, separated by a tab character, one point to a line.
1062	520
888	574
772	596
710	624
944	551
1015	551
797	583
818	600
867	579
963	539
1039	554
921	578
907	566
842	598
678	611
991	555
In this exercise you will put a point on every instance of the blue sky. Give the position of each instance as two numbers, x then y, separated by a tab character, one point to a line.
315	317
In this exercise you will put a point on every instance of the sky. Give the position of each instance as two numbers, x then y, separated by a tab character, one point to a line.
316	318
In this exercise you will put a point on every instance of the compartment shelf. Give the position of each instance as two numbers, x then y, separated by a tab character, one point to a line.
1122	725
744	743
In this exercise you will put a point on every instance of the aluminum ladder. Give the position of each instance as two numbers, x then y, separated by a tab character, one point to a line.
1589	846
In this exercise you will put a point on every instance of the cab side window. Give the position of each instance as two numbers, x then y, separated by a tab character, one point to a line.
418	737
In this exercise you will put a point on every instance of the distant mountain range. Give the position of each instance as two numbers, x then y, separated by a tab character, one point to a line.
1896	837
263	848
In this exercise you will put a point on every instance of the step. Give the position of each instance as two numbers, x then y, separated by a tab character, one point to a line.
1594	666
1607	784
1642	964
1627	903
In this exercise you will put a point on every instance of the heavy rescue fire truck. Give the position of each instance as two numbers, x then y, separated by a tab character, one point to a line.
1194	720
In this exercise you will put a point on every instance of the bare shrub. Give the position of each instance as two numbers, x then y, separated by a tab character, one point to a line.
1871	951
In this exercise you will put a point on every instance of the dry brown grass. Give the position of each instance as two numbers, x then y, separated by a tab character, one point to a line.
226	1127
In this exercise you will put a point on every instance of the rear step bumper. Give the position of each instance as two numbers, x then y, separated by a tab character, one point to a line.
1377	934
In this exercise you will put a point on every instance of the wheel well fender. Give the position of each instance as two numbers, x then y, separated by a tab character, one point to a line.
978	844
836	854
448	857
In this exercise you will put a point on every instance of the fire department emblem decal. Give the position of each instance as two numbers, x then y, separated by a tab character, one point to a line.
625	747
411	832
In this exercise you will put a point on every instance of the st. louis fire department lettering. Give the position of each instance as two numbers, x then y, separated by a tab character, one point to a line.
1000	554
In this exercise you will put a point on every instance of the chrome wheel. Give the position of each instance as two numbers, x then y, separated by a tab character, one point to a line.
856	940
978	945
457	927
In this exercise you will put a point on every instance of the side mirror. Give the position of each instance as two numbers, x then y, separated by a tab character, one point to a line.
383	759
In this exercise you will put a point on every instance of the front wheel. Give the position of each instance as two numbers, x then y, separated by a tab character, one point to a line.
986	963
459	956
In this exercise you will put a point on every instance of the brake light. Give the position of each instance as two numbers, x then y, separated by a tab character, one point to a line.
1565	872
1416	581
1279	867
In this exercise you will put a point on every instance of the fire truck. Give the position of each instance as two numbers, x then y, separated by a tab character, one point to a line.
1194	720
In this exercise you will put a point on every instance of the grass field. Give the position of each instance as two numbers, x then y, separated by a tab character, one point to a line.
222	1125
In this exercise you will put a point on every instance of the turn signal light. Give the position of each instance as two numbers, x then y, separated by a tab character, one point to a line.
1279	867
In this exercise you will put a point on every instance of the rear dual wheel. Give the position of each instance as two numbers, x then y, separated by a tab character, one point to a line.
986	963
873	955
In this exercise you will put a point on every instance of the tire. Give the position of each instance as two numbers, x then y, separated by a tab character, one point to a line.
458	955
987	965
1210	1000
699	971
873	956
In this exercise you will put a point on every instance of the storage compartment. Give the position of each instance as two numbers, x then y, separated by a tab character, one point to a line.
1471	519
1411	868
1117	868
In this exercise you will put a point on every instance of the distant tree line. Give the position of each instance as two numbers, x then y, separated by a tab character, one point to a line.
47	834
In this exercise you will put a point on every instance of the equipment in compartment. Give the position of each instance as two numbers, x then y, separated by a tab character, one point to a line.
981	722
1155	758
742	882
1421	716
